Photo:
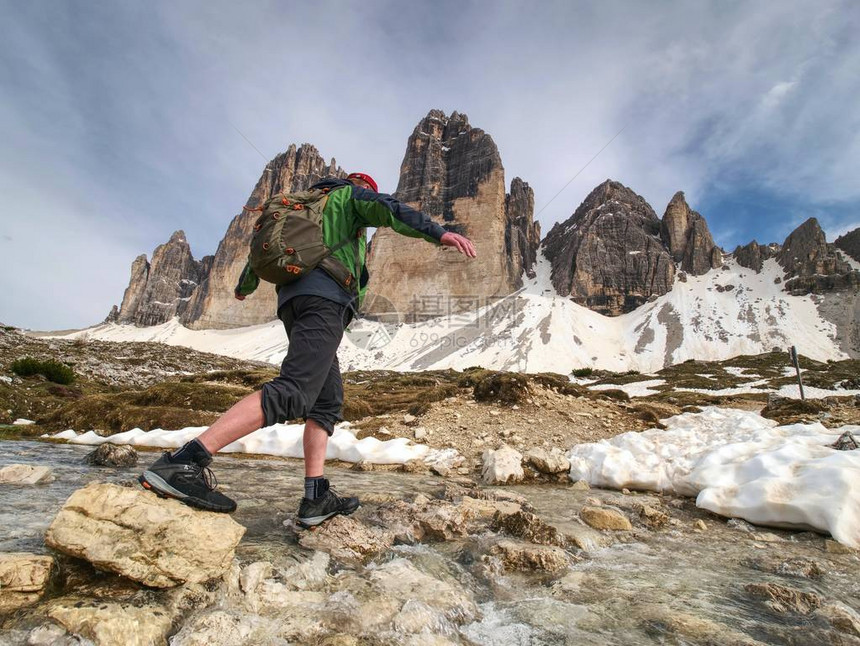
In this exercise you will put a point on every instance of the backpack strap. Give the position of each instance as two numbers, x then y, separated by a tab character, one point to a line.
338	270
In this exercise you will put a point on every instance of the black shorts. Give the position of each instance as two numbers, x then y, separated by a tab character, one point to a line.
310	385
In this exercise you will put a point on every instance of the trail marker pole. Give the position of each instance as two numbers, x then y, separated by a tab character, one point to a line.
796	362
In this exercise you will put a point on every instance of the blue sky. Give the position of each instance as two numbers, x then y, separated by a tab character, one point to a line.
117	118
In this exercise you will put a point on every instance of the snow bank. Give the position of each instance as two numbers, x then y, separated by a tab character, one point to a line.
284	440
738	464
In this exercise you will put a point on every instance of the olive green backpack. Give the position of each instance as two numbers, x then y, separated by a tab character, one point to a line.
287	242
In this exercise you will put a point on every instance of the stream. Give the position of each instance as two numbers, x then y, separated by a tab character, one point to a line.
673	586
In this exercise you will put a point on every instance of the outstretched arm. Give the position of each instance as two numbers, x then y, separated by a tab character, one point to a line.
381	210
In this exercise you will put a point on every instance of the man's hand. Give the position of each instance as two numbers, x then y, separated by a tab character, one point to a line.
238	296
460	243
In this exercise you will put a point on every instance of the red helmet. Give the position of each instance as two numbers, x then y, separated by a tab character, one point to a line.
367	178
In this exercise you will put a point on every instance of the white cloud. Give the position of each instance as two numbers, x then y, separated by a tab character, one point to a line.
129	107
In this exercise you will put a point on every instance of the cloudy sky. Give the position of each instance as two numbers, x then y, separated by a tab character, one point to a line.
120	120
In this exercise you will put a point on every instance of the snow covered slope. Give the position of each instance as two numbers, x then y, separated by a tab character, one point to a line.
724	313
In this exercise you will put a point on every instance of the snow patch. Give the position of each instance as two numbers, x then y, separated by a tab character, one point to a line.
284	440
737	464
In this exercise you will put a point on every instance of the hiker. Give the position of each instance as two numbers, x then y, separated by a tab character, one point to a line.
315	309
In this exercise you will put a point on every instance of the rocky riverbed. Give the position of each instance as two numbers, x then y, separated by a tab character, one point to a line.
430	560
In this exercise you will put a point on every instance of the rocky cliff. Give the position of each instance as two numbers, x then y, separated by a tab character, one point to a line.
453	173
161	289
522	234
850	244
201	292
213	305
811	264
608	256
688	238
753	255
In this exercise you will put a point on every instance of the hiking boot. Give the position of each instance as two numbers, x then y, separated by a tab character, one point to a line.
313	512
188	482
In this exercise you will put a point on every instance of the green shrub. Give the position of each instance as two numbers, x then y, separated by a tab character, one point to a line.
52	370
582	372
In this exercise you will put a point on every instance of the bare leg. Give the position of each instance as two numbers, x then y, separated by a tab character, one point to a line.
315	442
245	416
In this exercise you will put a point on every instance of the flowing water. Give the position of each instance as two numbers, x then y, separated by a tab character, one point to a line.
666	587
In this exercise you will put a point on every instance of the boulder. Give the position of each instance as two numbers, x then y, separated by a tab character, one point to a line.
160	543
108	623
502	466
224	628
653	517
401	580
549	462
347	539
23	578
798	567
112	455
25	474
529	527
526	557
605	518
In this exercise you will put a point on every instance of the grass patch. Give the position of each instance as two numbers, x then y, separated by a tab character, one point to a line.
582	372
54	371
377	392
169	405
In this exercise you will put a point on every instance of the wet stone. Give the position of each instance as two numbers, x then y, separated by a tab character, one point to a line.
783	599
797	567
112	455
347	539
605	518
526	557
25	474
23	578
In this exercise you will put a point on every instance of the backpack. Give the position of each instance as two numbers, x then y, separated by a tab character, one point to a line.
287	242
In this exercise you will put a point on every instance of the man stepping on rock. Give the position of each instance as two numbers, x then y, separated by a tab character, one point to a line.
317	298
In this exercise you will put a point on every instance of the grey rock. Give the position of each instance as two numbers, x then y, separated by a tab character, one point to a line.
453	172
608	256
161	289
25	474
142	537
850	243
212	305
811	264
23	578
686	234
112	455
753	255
522	233
846	442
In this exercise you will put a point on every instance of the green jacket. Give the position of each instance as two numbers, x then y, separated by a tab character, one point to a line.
348	211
